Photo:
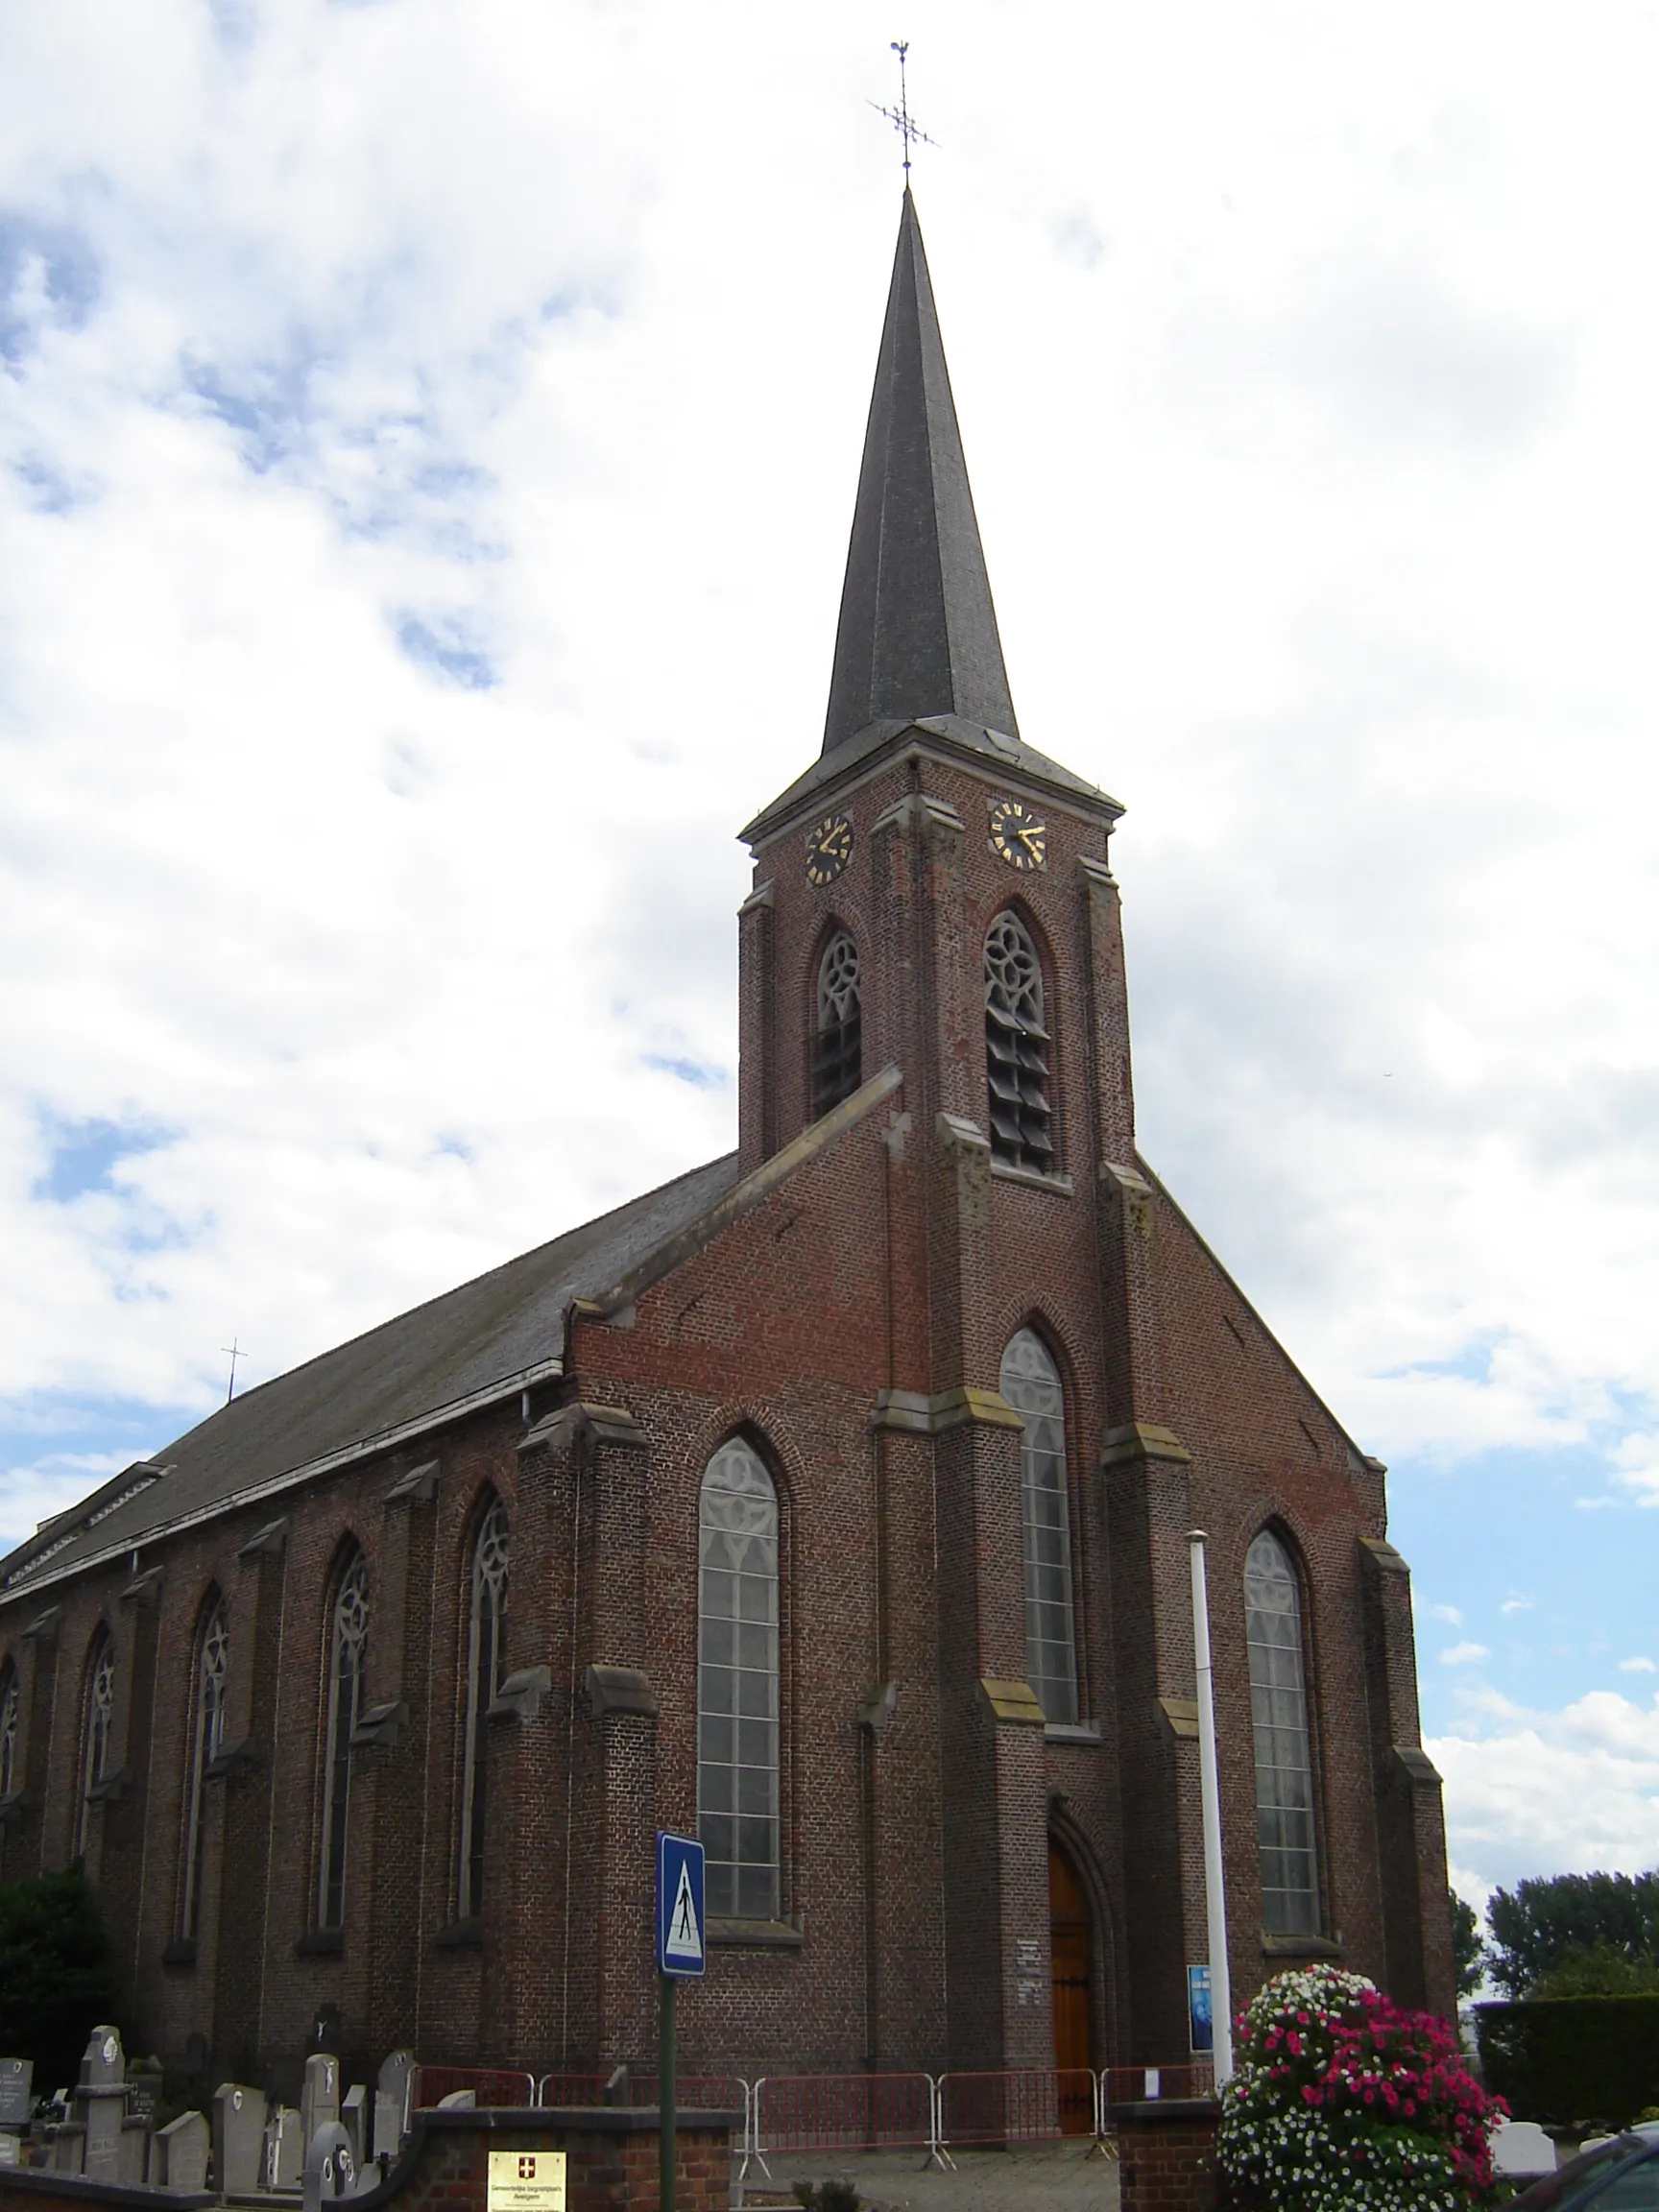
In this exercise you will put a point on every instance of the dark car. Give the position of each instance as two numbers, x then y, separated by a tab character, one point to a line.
1618	2175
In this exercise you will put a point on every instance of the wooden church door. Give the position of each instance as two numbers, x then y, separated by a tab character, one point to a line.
1074	2010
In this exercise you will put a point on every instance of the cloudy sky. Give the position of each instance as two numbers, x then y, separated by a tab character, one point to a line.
427	441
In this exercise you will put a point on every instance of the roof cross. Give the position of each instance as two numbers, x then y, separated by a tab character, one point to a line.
911	133
234	1349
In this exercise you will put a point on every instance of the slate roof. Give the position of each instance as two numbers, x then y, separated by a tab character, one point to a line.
918	633
402	1377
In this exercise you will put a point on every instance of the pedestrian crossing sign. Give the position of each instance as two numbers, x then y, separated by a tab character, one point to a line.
679	1945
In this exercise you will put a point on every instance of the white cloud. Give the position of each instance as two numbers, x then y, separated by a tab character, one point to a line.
1513	1605
1448	1613
1637	1667
1464	1656
1536	1793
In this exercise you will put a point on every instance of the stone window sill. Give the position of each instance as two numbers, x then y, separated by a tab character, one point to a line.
1302	1946
760	1935
1006	1171
180	1952
321	1943
1070	1732
460	1934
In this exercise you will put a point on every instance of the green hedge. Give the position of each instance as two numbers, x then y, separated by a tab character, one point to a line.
1573	2061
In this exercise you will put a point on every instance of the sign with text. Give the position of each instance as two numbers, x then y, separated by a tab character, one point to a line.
679	1946
527	2180
1200	2009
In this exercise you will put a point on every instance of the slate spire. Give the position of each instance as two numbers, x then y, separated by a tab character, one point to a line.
918	631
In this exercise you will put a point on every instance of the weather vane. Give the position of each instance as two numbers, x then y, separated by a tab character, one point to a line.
909	134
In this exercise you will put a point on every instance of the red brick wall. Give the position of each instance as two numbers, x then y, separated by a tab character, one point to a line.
1167	2157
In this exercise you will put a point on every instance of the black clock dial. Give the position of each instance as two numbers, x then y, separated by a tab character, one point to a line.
829	849
1017	836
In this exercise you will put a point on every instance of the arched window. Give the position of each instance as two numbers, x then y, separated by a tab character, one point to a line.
837	1047
1015	1048
737	1685
206	1742
1283	1759
347	1655
486	1663
1031	1385
9	1709
98	1715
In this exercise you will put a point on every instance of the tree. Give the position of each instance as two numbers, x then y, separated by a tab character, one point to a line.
56	1983
1602	1972
1536	1927
1469	1955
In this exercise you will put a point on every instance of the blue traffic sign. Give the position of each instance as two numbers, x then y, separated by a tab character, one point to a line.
679	1945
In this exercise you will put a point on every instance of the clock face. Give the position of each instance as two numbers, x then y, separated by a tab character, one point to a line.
1017	836
829	849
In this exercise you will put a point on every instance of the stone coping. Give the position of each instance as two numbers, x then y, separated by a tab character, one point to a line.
39	2180
1146	2111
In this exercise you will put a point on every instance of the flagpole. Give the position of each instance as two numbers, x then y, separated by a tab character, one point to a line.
1210	1800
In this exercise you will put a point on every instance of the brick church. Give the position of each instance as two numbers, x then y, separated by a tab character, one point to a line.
829	1501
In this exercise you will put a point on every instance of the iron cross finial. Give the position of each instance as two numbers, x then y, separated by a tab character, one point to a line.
234	1349
911	133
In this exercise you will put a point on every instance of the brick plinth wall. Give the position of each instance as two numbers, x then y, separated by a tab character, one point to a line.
612	2150
1166	2156
31	2189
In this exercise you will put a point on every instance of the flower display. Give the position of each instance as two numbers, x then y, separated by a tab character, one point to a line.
1342	2100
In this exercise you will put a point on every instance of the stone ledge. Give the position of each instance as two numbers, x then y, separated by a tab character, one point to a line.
620	1690
1142	1441
759	1935
1012	1701
1302	1946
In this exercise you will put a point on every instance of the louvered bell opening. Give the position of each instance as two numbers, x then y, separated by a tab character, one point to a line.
837	1063
1017	1081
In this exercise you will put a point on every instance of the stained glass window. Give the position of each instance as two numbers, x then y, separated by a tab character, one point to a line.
737	1685
485	1663
1284	1756
97	1721
1031	1385
208	1740
349	1652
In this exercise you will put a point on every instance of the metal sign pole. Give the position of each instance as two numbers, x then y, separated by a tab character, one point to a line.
667	2139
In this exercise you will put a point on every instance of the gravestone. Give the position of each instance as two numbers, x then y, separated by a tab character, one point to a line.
284	2149
320	2097
11	2150
16	2091
458	2101
238	2138
330	2170
67	2146
133	2152
178	2155
393	2090
1521	2147
353	2118
143	2089
101	2105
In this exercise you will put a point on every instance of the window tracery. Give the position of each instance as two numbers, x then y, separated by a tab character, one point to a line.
97	1721
1031	1384
838	1045
1017	1049
1283	1748
349	1652
485	1663
9	1704
207	1741
737	1681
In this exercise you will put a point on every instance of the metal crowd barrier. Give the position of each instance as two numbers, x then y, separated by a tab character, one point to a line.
793	2112
489	2085
841	2112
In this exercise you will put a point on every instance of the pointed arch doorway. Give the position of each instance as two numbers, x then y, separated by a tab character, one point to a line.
1074	1997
